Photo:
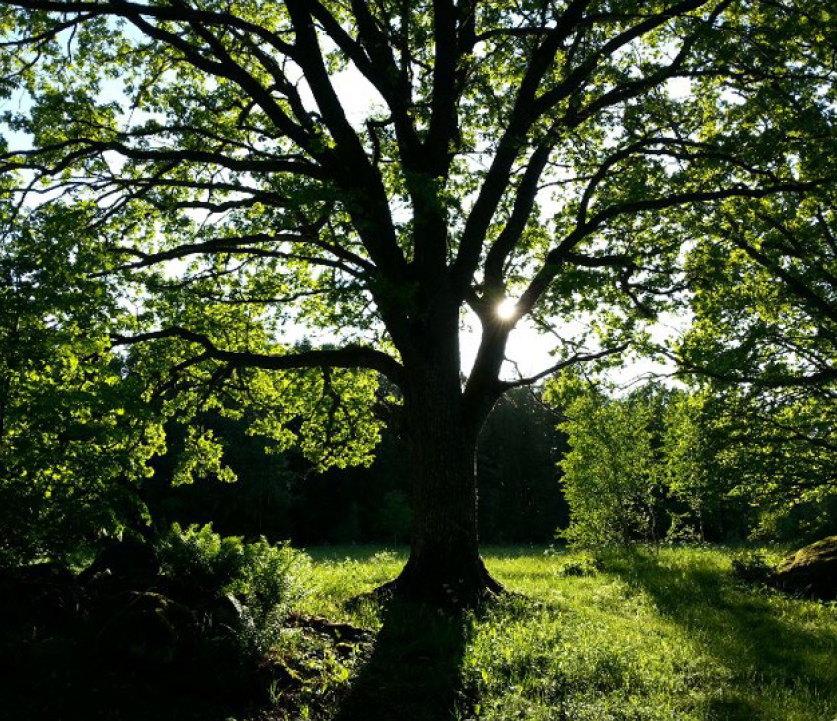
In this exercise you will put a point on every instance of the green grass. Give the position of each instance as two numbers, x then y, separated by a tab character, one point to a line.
650	636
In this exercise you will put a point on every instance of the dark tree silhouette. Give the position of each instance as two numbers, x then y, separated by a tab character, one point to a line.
519	151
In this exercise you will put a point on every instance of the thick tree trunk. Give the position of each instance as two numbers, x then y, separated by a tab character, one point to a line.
444	565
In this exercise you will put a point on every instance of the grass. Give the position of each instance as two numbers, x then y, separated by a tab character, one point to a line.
645	635
648	635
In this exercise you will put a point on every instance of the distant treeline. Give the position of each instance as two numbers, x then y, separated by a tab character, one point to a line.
279	496
710	462
656	464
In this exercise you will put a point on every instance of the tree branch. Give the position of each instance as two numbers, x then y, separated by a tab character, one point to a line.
558	255
351	356
566	363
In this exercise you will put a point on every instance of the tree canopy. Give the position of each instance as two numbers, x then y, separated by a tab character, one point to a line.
562	157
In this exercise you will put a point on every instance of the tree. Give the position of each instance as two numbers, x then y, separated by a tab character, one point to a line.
762	345
670	463
765	295
216	134
611	473
517	479
761	348
704	467
746	459
74	432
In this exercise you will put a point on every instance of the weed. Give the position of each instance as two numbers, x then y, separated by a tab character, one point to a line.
580	566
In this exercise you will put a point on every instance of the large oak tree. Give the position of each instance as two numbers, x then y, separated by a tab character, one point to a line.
508	150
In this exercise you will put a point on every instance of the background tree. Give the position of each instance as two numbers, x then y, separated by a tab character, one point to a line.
282	496
75	432
611	474
746	460
520	497
710	462
763	342
692	472
216	134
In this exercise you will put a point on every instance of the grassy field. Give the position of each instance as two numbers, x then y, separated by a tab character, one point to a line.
659	635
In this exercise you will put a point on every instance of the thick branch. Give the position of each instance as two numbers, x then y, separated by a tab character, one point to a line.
246	244
560	254
84	146
522	210
351	356
522	117
529	107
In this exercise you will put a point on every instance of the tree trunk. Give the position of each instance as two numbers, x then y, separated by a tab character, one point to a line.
444	565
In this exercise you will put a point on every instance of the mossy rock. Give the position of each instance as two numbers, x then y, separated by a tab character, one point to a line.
812	570
144	627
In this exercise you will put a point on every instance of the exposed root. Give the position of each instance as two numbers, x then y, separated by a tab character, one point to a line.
337	631
473	590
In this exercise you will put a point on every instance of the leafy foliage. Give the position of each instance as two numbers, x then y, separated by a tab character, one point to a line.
762	342
610	479
265	581
75	426
699	463
772	451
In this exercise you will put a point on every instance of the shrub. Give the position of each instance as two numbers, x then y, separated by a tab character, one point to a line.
261	581
610	472
581	566
197	557
752	568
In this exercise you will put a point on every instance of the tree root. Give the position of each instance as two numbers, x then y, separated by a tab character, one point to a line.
477	590
337	631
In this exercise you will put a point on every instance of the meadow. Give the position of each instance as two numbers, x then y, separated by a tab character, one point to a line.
665	634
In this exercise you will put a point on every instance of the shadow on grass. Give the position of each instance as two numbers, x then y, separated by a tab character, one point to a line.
413	673
745	629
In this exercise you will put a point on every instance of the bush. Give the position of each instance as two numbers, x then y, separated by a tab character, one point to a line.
262	582
752	568
197	557
610	474
581	566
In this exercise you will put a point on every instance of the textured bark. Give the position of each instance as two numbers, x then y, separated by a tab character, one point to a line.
444	565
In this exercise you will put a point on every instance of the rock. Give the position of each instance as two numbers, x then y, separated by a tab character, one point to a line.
812	570
131	559
38	596
146	627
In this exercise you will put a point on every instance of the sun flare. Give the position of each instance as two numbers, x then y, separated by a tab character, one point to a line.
507	308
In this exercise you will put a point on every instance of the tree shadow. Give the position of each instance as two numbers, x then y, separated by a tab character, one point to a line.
414	671
741	628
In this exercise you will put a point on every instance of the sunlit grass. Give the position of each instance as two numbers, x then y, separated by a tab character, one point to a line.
653	635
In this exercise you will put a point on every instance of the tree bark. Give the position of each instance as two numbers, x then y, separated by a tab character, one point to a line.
445	566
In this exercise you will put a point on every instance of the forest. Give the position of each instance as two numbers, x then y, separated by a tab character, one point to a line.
418	360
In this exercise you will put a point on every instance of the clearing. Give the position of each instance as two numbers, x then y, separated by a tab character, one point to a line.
666	635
